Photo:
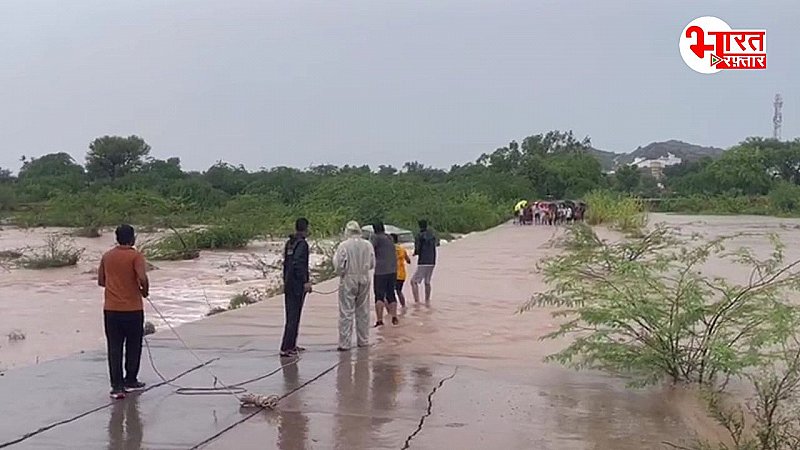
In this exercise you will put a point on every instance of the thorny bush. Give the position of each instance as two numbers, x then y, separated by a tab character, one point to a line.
642	307
57	251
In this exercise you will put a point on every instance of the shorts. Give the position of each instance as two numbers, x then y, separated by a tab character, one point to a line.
423	273
398	285
384	287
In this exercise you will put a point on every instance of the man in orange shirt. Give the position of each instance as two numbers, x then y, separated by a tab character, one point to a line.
123	274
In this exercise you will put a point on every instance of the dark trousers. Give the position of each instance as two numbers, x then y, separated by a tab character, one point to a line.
124	329
293	299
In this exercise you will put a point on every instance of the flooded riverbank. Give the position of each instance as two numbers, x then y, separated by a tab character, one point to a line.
502	394
59	311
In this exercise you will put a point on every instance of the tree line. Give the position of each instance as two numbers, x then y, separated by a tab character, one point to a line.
120	181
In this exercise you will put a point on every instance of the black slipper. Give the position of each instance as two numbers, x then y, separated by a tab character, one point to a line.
378	324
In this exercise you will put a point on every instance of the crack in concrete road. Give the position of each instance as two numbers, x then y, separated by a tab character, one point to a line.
429	410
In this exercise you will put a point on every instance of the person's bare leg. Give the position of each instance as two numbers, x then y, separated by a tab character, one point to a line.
401	298
392	307
427	280
379	305
415	290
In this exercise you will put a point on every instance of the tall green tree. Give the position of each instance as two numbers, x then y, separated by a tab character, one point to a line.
111	157
6	176
627	178
44	177
227	177
50	165
742	170
386	170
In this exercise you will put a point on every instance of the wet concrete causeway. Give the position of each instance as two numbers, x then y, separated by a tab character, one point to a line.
466	373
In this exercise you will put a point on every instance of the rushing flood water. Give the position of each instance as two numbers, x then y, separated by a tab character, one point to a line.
60	310
478	285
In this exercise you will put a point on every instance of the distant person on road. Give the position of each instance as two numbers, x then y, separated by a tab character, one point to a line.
296	285
425	251
353	260
402	260
123	274
385	274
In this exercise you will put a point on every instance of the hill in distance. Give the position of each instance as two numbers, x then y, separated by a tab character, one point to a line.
655	150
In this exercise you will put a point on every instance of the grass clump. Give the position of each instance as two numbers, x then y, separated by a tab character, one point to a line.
617	211
10	254
57	251
247	297
215	310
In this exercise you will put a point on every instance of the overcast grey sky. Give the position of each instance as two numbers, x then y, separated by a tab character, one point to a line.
267	83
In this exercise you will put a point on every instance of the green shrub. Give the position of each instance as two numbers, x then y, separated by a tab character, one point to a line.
617	211
240	300
784	198
643	308
222	237
8	197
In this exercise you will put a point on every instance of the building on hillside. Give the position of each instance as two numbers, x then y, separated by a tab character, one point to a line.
656	166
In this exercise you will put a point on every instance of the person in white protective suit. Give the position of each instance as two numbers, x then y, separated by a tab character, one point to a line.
353	260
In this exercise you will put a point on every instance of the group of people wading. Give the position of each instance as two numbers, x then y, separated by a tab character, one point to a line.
353	261
548	213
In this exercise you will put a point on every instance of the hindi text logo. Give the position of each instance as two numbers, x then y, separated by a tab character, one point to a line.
708	45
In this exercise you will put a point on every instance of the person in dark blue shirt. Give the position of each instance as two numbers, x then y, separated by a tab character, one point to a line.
425	251
296	285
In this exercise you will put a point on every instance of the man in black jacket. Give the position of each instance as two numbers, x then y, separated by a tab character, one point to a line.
296	284
425	251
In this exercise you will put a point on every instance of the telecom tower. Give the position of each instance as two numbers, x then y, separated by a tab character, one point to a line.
777	118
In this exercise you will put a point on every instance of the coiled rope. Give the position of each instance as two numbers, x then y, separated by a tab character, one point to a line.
247	399
237	390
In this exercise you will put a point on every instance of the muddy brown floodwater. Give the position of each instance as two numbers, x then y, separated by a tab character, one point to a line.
504	395
59	310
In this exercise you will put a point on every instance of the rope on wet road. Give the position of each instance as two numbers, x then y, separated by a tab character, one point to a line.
245	398
326	292
253	414
219	387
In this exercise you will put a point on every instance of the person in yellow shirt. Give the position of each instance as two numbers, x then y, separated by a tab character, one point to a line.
402	259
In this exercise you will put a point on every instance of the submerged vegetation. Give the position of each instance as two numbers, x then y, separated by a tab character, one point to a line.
183	245
57	251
